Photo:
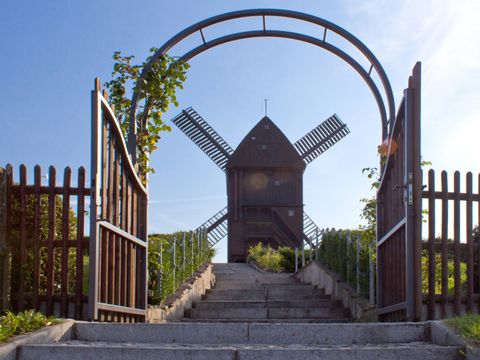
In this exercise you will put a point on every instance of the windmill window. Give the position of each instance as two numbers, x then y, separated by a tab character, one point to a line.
267	127
276	182
264	147
291	212
253	138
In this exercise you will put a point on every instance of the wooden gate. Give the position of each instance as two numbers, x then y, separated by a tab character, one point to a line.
399	213
118	223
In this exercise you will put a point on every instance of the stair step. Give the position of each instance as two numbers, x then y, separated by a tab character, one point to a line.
222	304
243	333
86	350
266	313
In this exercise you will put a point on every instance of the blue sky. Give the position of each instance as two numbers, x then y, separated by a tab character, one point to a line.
52	51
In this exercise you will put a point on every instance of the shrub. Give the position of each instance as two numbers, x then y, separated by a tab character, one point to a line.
13	324
278	260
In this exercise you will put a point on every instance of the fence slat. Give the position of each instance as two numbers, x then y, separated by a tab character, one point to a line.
22	251
456	242
36	236
80	235
431	247
444	257
65	236
52	210
469	229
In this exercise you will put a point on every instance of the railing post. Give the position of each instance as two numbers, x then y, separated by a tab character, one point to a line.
348	242
174	263
183	258
316	244
371	278
296	260
159	271
303	254
191	250
358	263
310	255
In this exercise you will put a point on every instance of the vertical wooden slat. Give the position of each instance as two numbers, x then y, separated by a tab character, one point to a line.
6	199
65	237
133	259
444	243
79	241
456	242
116	221
124	244
111	216
22	256
469	229
478	248
431	245
51	238
36	236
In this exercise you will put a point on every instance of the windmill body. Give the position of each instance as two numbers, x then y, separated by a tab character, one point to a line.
264	181
265	194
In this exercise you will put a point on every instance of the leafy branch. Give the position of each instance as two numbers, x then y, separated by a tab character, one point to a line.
158	91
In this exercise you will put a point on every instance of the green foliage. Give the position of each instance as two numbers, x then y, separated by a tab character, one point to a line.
13	324
438	274
14	239
190	255
340	256
467	325
158	91
278	260
287	262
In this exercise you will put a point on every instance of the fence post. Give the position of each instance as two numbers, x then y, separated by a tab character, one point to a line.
174	263
199	259
371	278
4	255
159	271
310	254
296	259
358	263
303	254
348	242
191	250
183	258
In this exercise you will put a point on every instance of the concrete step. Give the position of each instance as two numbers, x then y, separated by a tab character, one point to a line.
220	304
77	350
259	285
323	321
266	313
254	333
274	293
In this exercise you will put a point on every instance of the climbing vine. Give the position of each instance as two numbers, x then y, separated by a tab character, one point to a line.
158	92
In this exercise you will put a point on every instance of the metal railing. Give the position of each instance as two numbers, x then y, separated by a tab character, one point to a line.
345	253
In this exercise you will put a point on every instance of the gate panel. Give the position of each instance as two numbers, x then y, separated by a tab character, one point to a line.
399	214
118	225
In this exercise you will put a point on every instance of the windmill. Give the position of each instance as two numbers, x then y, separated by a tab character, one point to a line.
264	181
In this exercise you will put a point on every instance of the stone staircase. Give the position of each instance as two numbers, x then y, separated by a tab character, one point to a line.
243	294
250	315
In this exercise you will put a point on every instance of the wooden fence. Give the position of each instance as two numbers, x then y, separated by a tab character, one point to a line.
451	252
44	228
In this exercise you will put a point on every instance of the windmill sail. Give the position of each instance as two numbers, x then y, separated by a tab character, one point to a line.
216	226
203	135
320	139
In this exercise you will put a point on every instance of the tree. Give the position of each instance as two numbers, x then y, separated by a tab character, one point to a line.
157	92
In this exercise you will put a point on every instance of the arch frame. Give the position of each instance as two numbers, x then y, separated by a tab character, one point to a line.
386	117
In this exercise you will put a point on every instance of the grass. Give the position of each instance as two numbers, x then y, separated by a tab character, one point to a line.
14	324
467	326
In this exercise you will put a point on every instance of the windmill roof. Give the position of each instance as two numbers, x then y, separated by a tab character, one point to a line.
266	146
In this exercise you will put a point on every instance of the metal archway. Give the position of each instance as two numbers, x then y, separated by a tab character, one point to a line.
386	116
